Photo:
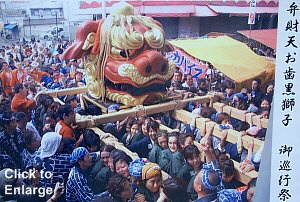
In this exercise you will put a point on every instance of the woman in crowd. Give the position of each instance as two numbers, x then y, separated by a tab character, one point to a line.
133	136
112	156
121	163
100	173
144	146
119	189
185	140
228	180
162	143
265	104
152	181
171	159
173	190
144	122
191	167
193	163
270	92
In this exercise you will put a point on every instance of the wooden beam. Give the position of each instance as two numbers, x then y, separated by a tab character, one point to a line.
183	116
89	121
67	91
163	127
109	139
256	120
218	106
245	178
232	136
94	102
238	114
249	117
227	109
264	123
56	99
242	115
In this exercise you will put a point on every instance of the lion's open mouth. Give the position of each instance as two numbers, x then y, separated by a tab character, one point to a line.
134	91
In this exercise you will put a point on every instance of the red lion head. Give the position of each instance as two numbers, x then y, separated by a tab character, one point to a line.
124	57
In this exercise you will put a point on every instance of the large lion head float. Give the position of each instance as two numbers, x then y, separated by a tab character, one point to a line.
123	57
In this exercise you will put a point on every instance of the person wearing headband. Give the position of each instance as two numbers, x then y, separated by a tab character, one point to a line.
152	181
208	181
77	184
135	170
11	140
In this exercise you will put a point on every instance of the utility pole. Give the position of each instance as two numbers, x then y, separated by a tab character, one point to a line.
103	2
29	26
56	25
69	20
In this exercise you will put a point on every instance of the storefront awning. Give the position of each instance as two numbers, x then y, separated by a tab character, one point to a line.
242	10
267	37
204	11
10	26
168	11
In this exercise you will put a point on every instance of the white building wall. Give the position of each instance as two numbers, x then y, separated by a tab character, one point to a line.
39	30
73	13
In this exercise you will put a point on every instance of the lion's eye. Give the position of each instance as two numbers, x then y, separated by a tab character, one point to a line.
123	53
130	53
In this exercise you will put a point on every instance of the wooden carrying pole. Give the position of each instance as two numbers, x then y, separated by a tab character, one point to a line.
89	121
68	91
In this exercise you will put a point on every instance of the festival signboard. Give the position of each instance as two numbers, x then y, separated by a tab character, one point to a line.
187	63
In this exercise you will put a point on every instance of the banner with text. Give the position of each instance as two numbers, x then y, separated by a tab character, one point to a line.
187	63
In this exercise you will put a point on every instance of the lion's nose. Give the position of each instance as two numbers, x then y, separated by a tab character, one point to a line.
151	62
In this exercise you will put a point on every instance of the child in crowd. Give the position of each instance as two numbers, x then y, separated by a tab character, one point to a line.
228	170
134	136
144	146
144	122
265	104
185	140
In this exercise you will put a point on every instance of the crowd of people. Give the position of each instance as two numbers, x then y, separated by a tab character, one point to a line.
41	136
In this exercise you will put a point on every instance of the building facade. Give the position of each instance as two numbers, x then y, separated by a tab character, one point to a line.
187	18
43	18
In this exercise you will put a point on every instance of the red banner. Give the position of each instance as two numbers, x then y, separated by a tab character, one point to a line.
187	63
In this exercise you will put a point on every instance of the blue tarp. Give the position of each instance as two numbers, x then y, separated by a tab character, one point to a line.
10	26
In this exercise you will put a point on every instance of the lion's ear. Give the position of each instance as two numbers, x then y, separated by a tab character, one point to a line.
76	50
89	41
